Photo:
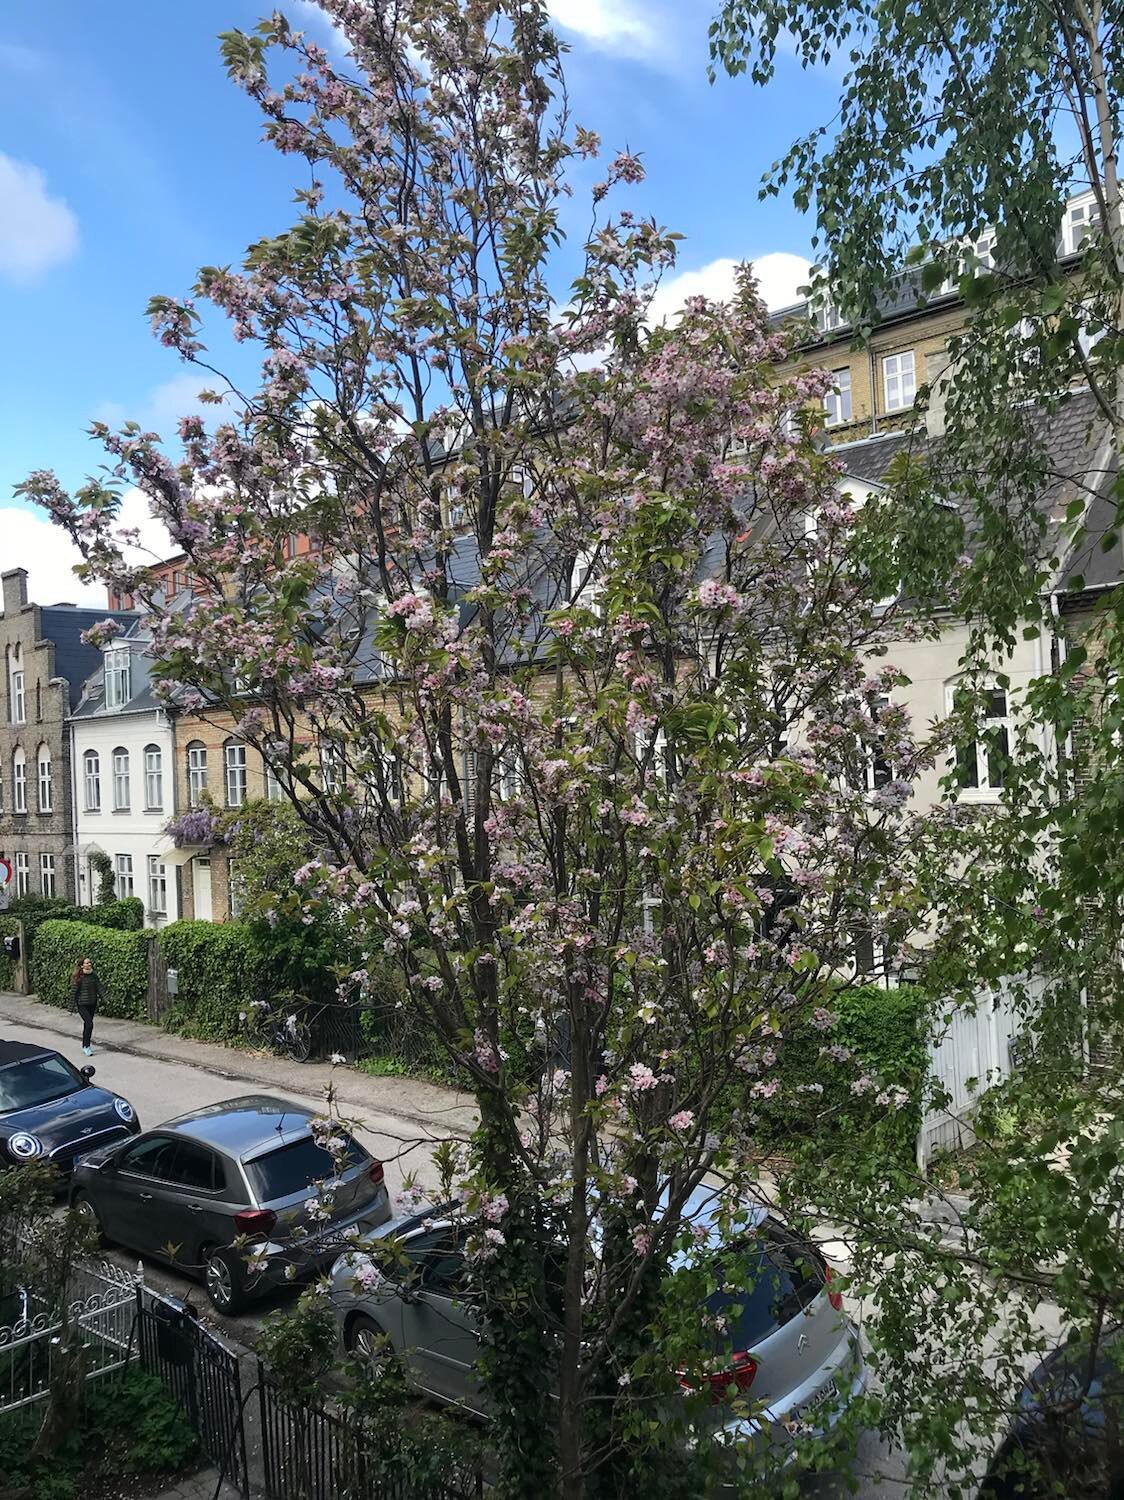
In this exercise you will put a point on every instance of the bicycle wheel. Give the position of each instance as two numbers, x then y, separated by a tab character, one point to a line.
298	1041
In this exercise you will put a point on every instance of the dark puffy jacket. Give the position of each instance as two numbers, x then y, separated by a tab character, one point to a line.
86	990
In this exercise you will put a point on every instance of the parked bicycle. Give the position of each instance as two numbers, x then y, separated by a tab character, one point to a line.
283	1024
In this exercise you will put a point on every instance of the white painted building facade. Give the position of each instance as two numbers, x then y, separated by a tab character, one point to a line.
124	783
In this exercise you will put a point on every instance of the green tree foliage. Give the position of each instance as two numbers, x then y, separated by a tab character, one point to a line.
103	869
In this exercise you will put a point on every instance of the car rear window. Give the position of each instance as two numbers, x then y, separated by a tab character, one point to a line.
296	1166
766	1284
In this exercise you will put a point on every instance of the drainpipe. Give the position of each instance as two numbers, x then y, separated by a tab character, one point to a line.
1058	655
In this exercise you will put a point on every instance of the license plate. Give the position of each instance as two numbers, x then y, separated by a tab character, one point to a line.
828	1394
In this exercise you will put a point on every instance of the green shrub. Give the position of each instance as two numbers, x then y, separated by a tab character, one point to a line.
9	926
220	969
127	915
883	1028
120	958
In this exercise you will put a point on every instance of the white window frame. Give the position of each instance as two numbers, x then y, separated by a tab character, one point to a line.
584	594
196	773
44	779
837	403
274	791
234	777
333	776
877	770
825	314
18	697
157	886
984	789
153	778
123	875
899	377
119	767
19	781
118	677
47	886
1081	215
23	873
91	777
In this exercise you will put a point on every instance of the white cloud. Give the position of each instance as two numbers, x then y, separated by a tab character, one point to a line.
778	276
308	14
34	542
165	404
37	231
611	25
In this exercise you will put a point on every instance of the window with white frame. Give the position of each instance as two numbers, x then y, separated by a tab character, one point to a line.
123	870
118	674
43	766
153	778
47	874
981	765
234	772
274	791
899	380
508	773
825	314
157	886
585	588
837	402
19	782
23	873
876	770
196	772
120	779
91	778
331	765
237	892
17	707
1082	218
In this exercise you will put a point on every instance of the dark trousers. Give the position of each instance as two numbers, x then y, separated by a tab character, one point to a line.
87	1012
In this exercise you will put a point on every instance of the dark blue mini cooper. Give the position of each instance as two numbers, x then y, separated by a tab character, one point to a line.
50	1111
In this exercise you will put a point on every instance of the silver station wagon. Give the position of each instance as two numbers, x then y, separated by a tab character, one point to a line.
786	1346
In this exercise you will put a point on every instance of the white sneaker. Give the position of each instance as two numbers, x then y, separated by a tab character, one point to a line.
89	1051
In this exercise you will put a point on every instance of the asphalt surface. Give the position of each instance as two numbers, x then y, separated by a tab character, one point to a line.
161	1088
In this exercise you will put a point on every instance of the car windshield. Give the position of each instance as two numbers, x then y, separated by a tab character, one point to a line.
294	1167
766	1282
37	1081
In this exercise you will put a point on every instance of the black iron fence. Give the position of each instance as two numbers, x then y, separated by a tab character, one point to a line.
203	1376
311	1453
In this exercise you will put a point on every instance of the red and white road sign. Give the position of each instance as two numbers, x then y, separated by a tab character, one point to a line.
5	873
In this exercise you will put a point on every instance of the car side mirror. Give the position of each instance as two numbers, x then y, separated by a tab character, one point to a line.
87	1072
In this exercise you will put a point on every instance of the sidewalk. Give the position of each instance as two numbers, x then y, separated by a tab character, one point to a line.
436	1110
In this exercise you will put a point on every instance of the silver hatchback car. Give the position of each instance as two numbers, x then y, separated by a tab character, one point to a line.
248	1170
797	1358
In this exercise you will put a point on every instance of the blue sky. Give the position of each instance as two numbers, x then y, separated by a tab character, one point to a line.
127	160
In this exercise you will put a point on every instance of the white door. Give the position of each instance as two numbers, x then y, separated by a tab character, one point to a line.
201	888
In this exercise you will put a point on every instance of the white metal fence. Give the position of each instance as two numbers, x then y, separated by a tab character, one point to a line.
968	1054
101	1309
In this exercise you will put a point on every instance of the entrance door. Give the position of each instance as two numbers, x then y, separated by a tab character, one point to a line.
201	888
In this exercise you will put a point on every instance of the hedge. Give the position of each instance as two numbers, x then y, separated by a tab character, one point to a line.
9	926
120	959
884	1029
220	969
126	915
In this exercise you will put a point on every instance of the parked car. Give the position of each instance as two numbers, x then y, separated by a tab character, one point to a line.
788	1345
249	1170
51	1111
1058	1433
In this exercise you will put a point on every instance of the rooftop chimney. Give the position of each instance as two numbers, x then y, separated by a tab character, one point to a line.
15	589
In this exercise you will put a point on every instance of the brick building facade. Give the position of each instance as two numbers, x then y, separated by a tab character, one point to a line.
44	664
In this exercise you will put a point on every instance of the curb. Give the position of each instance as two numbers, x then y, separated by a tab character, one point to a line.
41	1020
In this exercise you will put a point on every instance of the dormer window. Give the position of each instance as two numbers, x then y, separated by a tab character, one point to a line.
118	675
825	314
585	586
1082	219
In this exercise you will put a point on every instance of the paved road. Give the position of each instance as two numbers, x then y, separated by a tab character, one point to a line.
160	1088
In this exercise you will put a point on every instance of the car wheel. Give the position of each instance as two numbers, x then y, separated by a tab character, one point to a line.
366	1339
223	1278
87	1212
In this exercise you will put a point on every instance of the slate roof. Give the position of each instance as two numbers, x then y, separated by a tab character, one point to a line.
74	660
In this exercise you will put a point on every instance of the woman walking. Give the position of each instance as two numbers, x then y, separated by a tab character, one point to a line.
85	992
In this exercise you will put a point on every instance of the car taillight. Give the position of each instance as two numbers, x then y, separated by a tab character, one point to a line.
718	1382
835	1298
255	1221
377	1173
